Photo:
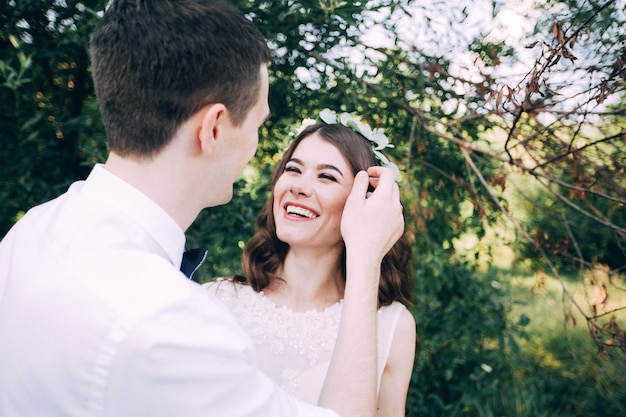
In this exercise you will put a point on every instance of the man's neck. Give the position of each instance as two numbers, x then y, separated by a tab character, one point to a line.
158	180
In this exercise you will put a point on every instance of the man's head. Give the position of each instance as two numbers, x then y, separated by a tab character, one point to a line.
155	63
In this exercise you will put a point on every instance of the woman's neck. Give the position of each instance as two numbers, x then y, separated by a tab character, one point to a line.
311	280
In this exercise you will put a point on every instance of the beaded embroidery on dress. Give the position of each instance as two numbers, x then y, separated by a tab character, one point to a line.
295	348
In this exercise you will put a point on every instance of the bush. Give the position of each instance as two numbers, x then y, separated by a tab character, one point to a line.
465	334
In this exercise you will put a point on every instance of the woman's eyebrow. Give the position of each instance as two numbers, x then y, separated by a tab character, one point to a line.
331	167
319	167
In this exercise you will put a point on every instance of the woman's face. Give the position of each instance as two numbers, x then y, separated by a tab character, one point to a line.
310	194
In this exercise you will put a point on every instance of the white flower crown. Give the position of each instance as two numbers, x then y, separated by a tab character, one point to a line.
376	136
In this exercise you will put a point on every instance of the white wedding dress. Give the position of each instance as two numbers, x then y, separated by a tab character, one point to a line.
295	348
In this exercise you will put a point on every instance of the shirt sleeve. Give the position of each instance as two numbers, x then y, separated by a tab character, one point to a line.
192	359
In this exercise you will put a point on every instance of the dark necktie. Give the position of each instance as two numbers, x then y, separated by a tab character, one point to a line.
192	259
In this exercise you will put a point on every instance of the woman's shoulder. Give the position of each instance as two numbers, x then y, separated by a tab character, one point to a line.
406	321
395	317
392	311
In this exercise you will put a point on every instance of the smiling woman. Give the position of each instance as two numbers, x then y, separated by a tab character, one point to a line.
291	297
310	194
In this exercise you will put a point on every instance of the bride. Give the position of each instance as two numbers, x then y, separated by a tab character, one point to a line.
290	299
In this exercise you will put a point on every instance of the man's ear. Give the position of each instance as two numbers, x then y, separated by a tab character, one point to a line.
213	127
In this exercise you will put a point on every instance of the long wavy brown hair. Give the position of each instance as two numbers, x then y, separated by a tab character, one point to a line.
265	253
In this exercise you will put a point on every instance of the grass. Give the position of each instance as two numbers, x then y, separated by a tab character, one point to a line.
560	372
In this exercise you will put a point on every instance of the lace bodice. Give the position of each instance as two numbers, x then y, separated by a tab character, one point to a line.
295	348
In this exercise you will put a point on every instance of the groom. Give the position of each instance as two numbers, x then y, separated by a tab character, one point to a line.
95	317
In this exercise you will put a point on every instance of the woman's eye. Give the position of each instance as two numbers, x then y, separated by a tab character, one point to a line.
328	177
292	169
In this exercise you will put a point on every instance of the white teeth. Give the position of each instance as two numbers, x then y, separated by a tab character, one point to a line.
299	211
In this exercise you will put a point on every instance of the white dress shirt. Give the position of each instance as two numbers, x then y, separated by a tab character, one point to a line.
97	320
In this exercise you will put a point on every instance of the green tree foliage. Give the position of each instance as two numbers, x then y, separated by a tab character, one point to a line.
50	129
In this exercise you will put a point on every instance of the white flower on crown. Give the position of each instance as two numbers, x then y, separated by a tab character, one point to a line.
305	123
376	136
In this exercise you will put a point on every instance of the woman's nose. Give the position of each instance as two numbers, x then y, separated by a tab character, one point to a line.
300	186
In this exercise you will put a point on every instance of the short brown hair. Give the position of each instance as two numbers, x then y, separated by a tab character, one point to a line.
157	62
265	253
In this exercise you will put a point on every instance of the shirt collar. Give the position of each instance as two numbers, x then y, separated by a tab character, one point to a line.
106	186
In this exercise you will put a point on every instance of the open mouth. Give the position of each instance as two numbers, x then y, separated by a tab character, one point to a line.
300	212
